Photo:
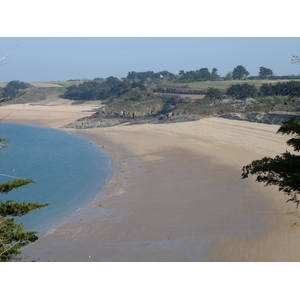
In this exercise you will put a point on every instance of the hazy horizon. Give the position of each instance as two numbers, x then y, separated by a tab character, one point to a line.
65	58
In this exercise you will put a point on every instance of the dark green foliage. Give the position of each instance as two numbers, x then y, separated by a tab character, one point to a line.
202	74
239	73
266	89
13	88
265	73
242	91
112	87
134	98
292	127
10	185
213	93
12	238
288	88
89	90
214	74
173	89
17	209
284	169
12	235
150	75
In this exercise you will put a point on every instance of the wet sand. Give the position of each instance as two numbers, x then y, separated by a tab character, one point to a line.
175	195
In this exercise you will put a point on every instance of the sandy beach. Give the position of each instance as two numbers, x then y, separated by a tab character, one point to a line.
176	194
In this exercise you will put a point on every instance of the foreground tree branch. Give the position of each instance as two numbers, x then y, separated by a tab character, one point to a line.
12	235
11	98
284	169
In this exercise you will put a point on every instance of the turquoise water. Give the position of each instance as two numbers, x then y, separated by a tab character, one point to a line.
68	170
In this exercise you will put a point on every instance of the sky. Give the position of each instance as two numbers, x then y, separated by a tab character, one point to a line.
64	40
64	58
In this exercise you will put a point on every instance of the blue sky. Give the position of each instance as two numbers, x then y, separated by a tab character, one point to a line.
64	58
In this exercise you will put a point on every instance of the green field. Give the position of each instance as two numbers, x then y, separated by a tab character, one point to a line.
223	85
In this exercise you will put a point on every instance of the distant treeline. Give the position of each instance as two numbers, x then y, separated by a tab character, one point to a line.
290	88
245	90
203	74
150	75
138	88
111	87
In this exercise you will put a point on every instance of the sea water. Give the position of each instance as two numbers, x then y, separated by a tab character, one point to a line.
68	170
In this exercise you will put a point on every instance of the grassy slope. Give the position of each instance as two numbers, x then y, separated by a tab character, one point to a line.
222	85
50	91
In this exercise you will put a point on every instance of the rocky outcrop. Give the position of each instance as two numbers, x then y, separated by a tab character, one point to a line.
267	118
104	120
124	113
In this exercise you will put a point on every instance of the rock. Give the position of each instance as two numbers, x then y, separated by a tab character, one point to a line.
95	121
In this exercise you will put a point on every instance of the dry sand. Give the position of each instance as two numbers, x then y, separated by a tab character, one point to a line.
176	194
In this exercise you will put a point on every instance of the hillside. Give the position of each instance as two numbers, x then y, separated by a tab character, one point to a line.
136	102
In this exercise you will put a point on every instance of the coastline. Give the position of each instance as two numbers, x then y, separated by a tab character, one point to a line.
175	194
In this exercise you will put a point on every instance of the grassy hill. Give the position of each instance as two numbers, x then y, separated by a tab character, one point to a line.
187	99
225	84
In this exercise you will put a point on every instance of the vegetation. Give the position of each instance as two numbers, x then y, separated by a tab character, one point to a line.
126	97
289	88
14	88
151	76
239	73
242	91
283	170
265	73
213	93
12	235
202	74
202	90
111	87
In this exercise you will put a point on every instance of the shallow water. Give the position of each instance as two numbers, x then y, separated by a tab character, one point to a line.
68	170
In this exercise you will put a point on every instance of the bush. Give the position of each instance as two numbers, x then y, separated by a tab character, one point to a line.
13	88
242	91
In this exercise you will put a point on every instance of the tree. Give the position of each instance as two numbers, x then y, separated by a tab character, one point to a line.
12	235
265	73
203	74
13	88
213	93
229	76
289	88
214	74
266	89
241	91
239	73
284	169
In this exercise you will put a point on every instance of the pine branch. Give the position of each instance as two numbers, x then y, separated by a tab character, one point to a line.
10	185
10	208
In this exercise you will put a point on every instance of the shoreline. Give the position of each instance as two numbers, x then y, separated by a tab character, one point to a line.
159	204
